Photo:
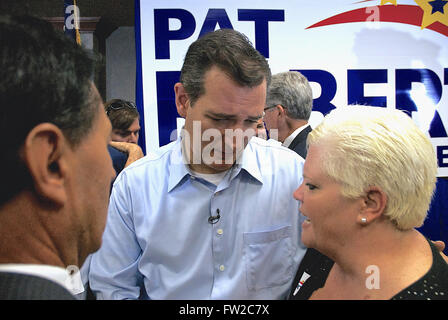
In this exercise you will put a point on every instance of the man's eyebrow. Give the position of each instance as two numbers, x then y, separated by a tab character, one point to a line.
123	132
232	116
221	115
255	118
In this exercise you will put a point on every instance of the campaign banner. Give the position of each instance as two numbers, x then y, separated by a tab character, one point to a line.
391	54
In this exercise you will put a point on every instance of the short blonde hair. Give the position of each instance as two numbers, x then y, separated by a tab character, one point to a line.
369	146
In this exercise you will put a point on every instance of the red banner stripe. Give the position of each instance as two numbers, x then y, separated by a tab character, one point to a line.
405	14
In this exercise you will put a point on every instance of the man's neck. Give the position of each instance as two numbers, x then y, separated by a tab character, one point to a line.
25	237
291	126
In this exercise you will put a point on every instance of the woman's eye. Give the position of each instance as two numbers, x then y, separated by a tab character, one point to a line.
311	186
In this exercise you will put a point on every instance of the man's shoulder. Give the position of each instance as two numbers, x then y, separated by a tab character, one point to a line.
29	287
155	157
152	163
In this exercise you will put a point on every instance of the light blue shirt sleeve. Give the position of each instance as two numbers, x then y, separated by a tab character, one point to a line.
120	251
158	239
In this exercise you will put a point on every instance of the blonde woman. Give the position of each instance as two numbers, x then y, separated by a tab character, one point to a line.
368	181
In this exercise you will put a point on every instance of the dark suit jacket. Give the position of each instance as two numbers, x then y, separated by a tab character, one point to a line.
118	158
17	286
299	142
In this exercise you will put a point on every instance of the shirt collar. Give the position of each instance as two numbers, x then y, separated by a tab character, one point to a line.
56	274
249	160
293	135
179	170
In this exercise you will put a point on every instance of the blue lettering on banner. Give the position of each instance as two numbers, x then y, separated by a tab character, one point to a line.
403	85
261	19
166	104
167	112
404	79
328	86
215	17
163	34
355	90
442	156
355	83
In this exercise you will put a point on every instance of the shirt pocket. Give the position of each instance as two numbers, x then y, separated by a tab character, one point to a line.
269	258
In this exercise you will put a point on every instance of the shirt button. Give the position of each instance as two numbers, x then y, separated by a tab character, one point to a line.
221	268
220	232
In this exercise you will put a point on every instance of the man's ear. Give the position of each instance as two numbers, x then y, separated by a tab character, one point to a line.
182	100
281	112
373	205
44	153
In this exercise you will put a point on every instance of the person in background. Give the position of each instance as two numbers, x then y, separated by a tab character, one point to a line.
207	220
369	177
288	108
125	121
56	170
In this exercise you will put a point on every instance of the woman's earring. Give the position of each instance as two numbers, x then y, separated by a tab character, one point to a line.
363	220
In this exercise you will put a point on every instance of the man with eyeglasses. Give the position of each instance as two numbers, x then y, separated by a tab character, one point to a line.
288	108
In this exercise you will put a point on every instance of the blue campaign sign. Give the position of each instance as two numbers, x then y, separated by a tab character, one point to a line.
391	54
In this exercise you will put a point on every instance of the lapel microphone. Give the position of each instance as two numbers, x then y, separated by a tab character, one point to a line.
214	219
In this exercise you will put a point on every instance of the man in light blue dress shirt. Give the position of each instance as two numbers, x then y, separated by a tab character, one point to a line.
212	215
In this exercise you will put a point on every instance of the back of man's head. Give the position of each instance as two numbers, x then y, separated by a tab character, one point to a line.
293	92
45	78
229	50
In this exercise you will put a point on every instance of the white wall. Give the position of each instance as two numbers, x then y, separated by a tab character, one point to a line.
120	64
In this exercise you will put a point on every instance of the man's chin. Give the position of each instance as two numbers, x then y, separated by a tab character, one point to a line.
220	167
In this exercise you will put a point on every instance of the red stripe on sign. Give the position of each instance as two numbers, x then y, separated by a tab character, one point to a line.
405	14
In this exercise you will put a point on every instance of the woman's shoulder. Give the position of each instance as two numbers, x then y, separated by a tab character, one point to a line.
433	285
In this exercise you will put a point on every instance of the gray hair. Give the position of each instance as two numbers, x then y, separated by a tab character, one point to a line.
292	91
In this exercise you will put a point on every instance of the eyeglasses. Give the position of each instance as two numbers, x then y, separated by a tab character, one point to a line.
271	107
120	105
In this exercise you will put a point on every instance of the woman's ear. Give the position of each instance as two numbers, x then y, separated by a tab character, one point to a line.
182	100
44	153
373	205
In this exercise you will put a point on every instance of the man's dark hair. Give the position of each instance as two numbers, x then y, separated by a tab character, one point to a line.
121	113
230	51
45	77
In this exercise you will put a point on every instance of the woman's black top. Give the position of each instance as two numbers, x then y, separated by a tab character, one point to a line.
433	285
